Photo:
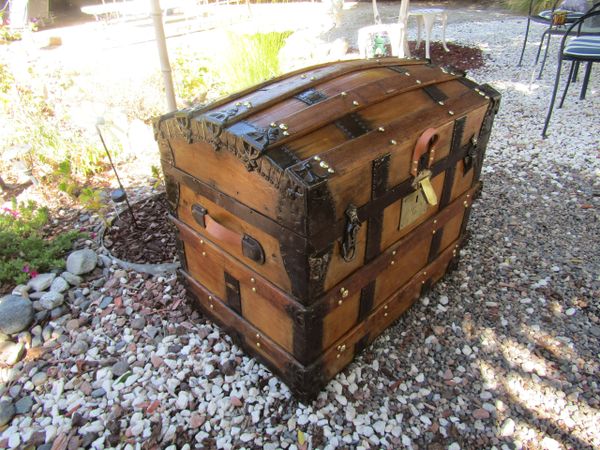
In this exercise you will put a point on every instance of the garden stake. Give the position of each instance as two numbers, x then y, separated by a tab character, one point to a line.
118	196
117	175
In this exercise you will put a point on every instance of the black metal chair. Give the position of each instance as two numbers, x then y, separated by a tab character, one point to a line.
578	49
556	21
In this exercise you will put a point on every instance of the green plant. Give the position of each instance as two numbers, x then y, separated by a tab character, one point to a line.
91	199
157	175
6	34
250	59
23	251
6	82
49	136
522	6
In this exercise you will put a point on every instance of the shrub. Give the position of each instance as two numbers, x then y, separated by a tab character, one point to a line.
30	121
191	77
23	251
522	6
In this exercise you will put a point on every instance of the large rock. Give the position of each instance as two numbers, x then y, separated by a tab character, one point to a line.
16	313
51	300
59	285
41	282
82	261
11	353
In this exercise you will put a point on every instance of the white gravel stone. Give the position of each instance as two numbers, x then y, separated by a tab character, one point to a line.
426	420
508	428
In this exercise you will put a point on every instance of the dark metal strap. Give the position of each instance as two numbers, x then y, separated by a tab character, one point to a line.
399	69
367	296
361	344
457	134
352	125
435	93
468	82
232	292
379	179
311	96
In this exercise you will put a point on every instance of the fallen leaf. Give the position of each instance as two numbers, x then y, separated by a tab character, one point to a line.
587	206
123	377
153	406
301	437
34	353
73	409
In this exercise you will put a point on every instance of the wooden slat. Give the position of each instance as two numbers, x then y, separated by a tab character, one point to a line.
316	116
274	91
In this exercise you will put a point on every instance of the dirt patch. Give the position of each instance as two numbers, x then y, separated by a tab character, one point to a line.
460	56
151	242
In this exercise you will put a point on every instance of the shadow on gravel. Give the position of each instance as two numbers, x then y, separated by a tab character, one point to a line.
537	321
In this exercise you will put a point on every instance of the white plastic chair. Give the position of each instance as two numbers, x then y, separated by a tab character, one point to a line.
400	29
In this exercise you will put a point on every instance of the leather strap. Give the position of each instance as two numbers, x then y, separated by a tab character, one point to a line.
425	143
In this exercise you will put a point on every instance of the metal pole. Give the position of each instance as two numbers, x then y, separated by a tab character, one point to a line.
117	175
163	54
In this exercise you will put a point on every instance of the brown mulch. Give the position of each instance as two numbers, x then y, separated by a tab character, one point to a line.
460	56
151	242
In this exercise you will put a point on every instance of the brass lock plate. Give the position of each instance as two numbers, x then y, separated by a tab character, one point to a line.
413	206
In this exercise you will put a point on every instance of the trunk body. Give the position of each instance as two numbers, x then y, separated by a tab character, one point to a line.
314	209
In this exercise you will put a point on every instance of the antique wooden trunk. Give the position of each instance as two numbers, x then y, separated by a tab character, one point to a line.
314	209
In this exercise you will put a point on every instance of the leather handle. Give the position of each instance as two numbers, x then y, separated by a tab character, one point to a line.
251	248
425	143
220	232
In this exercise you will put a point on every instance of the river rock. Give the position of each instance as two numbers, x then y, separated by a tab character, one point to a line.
59	285
24	405
16	313
120	368
7	412
20	290
41	282
51	300
73	280
79	348
39	378
82	261
11	353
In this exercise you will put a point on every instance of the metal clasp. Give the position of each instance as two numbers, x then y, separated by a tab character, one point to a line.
471	155
350	233
423	182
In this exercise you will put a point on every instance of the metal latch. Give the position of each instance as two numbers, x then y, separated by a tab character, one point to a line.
423	182
350	233
472	151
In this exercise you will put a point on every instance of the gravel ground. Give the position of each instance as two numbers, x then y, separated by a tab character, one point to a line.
502	354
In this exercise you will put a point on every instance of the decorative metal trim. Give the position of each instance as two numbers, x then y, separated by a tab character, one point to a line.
348	244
